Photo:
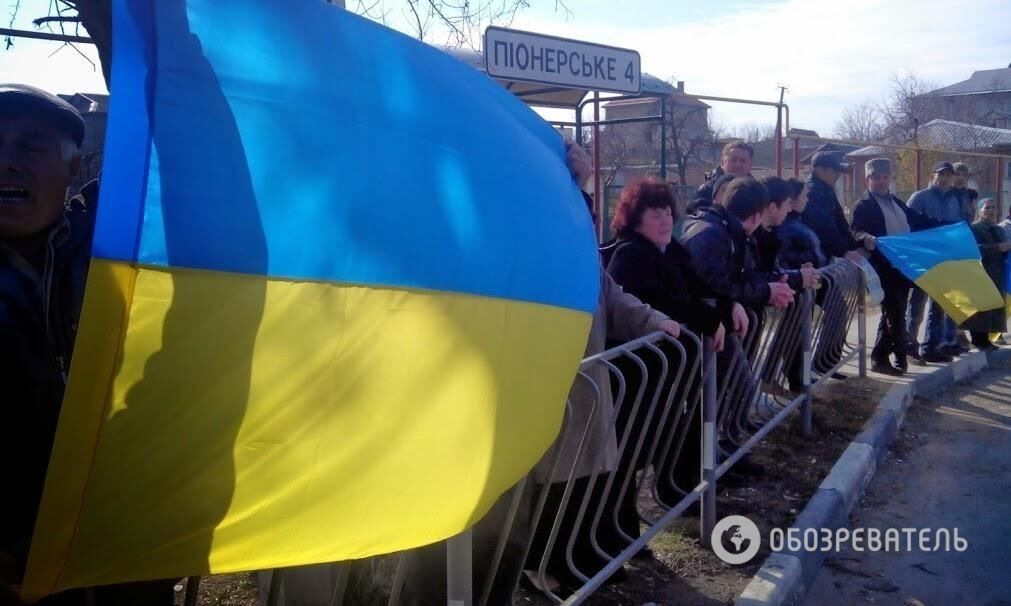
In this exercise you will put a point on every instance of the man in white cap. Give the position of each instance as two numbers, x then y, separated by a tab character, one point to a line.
879	214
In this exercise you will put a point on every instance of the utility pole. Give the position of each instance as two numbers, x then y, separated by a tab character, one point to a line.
779	132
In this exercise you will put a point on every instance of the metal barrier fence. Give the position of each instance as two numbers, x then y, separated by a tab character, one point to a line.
656	423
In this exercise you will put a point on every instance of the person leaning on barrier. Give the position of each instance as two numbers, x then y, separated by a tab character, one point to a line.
878	214
993	248
717	238
736	161
768	244
798	244
823	213
647	263
940	203
45	248
618	316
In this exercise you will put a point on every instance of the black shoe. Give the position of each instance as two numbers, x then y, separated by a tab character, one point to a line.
952	351
838	376
885	368
935	356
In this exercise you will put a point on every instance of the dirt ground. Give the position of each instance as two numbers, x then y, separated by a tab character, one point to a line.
682	571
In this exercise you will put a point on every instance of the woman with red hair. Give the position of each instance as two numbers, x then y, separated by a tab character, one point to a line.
648	263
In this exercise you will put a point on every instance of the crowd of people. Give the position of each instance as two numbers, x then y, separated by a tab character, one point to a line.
747	244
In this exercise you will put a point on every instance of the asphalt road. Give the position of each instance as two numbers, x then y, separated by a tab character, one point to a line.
949	468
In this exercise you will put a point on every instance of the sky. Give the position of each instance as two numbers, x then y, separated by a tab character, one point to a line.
830	55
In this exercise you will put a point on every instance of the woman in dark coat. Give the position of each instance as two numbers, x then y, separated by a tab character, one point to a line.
993	247
645	260
647	263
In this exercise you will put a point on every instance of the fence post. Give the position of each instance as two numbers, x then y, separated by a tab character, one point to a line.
919	168
779	141
459	567
192	588
796	157
663	138
708	518
807	320
862	325
598	196
999	187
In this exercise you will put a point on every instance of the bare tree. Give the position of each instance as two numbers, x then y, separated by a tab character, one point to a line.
906	107
616	152
689	135
753	132
862	122
460	21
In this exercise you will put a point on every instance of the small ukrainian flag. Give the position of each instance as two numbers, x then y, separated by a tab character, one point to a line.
945	263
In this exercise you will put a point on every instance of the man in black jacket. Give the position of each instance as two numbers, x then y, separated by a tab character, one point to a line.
45	248
718	240
735	160
823	214
879	214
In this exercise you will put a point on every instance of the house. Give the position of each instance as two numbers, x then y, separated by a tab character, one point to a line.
94	108
983	99
628	150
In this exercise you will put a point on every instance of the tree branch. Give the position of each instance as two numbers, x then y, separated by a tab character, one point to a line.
42	20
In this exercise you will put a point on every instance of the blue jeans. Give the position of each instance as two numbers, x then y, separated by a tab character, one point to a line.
940	328
914	317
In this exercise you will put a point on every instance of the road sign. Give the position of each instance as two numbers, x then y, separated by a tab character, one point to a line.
517	55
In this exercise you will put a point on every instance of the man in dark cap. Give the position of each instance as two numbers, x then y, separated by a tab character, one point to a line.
825	217
940	203
45	248
881	213
823	213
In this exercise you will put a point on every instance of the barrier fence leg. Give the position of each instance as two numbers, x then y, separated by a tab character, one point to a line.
274	589
805	340
459	567
862	326
708	517
192	588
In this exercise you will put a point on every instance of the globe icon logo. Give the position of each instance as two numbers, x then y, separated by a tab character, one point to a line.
735	540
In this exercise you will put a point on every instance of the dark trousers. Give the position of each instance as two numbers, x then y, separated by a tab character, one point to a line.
980	339
892	338
669	441
584	556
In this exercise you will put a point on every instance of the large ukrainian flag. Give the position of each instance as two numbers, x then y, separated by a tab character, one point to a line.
945	263
341	285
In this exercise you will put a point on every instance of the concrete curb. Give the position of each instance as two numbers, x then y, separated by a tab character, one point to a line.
785	576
